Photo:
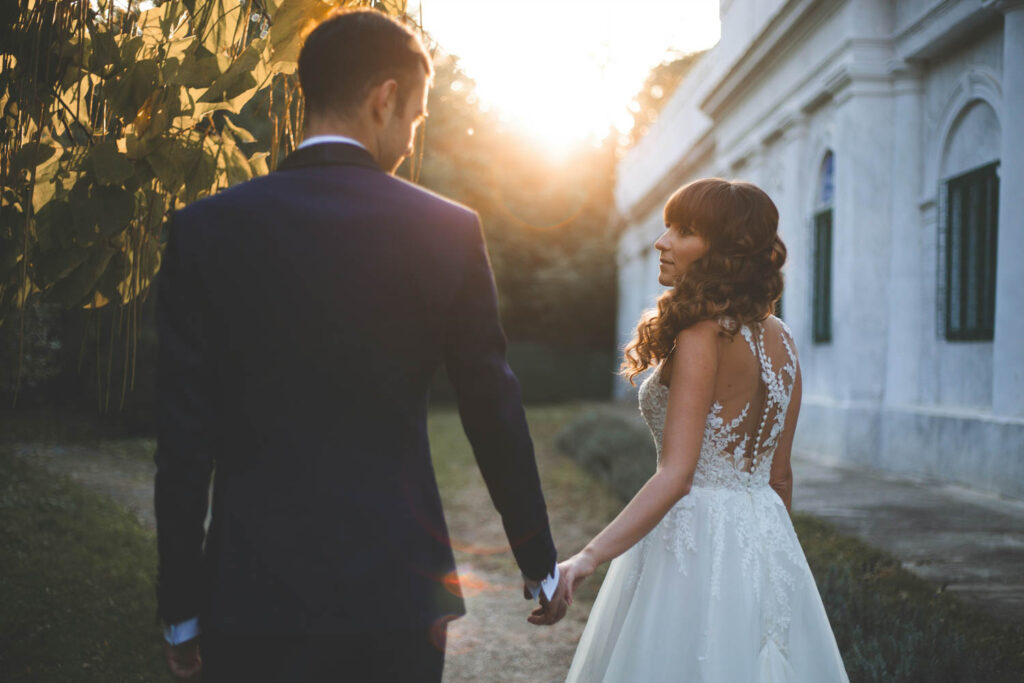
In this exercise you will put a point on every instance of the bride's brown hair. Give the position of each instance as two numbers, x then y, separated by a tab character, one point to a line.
739	276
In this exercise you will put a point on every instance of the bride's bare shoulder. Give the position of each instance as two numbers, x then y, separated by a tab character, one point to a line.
700	341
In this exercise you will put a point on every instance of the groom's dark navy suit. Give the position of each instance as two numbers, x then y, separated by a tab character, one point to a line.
302	316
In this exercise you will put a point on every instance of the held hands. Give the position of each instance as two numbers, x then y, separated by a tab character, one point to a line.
574	572
183	660
550	611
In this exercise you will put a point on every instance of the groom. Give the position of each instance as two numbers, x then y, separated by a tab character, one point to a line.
302	316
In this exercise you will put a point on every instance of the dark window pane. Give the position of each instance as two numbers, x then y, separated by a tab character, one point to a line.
827	188
971	237
953	257
822	301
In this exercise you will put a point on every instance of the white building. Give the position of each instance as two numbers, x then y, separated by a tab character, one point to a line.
890	133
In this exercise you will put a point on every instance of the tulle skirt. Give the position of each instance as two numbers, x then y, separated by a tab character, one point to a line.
719	590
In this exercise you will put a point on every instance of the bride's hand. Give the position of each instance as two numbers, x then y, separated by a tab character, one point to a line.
575	570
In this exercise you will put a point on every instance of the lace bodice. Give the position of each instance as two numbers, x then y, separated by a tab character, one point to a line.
731	456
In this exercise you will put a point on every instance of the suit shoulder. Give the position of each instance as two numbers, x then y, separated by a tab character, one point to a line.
434	203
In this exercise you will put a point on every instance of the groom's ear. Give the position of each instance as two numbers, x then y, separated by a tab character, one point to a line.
383	101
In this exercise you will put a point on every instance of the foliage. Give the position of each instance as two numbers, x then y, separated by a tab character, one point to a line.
81	222
115	113
656	92
550	223
895	627
617	450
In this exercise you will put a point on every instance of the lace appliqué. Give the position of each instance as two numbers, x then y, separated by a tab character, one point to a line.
739	502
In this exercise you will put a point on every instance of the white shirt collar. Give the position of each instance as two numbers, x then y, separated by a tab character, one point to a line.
318	139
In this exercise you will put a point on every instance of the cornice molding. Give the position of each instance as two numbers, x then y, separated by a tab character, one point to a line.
1004	6
785	25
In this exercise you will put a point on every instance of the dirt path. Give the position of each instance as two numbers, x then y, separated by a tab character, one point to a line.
121	470
494	642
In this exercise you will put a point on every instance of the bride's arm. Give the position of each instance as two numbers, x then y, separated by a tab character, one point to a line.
781	475
692	385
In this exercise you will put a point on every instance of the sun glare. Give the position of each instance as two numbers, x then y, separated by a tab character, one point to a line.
563	72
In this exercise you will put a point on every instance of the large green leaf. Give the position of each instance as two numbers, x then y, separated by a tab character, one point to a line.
31	155
223	17
200	67
258	163
202	171
130	49
158	114
10	255
54	226
240	134
129	91
55	264
104	55
170	14
111	280
168	162
291	20
238	77
236	165
100	211
109	165
12	228
77	288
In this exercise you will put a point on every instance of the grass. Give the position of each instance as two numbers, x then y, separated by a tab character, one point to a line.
578	504
76	574
76	583
893	626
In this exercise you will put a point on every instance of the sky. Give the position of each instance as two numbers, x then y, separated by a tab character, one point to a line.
564	71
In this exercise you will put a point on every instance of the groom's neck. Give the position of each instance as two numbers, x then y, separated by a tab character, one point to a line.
348	129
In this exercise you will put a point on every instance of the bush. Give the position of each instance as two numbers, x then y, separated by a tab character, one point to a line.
618	450
549	374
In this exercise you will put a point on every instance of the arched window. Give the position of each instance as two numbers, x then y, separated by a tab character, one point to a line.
821	305
970	171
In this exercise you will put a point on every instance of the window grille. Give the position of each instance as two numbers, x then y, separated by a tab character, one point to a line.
972	210
822	304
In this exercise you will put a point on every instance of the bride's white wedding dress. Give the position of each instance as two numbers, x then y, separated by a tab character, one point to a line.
719	590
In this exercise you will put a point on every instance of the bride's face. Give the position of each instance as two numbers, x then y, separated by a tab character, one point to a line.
679	247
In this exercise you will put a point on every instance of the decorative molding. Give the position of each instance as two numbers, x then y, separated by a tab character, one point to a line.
1004	6
942	24
795	18
979	83
927	16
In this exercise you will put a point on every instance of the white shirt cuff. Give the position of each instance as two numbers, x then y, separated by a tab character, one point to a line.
548	584
183	631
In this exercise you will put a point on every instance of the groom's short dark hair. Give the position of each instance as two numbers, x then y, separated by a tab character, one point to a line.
352	51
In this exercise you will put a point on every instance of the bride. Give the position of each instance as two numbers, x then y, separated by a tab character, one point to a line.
709	582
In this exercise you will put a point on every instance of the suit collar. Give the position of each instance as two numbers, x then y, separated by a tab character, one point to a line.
329	154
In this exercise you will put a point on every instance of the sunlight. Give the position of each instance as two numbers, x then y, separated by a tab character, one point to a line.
565	71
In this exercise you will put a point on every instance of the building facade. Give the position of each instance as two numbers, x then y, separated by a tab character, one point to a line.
890	134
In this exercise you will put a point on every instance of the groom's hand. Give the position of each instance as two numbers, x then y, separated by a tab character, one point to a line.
183	660
550	611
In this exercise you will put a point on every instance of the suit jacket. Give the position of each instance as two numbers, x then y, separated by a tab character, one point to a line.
301	317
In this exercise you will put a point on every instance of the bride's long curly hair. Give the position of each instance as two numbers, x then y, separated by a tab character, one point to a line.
739	277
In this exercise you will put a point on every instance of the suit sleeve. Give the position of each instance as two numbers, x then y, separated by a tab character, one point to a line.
490	405
184	456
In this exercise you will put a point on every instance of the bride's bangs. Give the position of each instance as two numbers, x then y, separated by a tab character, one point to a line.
697	204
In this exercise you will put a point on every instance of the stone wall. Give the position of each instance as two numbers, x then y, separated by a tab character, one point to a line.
905	96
